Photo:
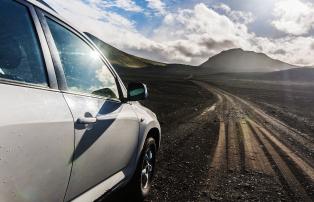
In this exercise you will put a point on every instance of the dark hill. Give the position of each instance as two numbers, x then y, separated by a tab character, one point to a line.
301	74
233	63
238	60
121	59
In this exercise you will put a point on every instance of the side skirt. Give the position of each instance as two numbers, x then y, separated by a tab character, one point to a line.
101	188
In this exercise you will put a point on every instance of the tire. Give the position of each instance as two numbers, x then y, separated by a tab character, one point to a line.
141	182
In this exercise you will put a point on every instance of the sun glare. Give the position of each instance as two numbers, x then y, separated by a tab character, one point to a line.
94	55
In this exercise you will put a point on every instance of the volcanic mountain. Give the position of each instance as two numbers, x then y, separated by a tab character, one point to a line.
235	63
238	60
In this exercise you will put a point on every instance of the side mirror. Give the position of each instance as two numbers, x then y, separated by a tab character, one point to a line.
137	91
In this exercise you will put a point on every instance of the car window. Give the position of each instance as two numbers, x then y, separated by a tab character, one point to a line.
84	70
20	55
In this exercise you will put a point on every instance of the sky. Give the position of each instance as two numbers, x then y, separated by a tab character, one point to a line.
191	31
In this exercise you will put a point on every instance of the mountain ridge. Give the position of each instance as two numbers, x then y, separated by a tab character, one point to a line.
301	74
121	58
236	62
239	60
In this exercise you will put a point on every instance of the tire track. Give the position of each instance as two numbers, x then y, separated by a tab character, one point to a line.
219	158
255	158
246	145
233	148
285	172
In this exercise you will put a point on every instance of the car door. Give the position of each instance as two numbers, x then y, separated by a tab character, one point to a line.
36	126
106	129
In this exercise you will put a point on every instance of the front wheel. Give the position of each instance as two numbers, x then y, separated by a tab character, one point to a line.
142	180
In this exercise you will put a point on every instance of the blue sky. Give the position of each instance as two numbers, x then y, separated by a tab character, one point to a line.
191	31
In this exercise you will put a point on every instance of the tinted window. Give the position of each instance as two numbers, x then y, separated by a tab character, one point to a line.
84	70
20	56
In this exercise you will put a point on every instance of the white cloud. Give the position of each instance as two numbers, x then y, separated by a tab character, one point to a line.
223	7
108	26
157	5
185	36
294	50
194	35
294	17
128	5
237	16
86	15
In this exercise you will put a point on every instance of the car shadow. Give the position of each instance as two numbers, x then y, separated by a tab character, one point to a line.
121	195
105	118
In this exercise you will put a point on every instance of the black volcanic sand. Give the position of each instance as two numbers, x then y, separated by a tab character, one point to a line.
290	102
189	137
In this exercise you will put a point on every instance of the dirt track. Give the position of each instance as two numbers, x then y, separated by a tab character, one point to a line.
219	147
251	141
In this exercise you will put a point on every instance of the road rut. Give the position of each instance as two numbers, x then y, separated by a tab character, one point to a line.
252	141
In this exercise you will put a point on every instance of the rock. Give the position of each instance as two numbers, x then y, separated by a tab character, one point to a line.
205	193
215	198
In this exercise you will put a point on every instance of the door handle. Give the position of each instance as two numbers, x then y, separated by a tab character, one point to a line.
86	120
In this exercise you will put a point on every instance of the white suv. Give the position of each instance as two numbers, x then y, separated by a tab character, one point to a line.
69	129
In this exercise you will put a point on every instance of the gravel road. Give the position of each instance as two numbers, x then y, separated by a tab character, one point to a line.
219	147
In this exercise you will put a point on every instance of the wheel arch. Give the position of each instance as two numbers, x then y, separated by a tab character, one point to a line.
155	134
